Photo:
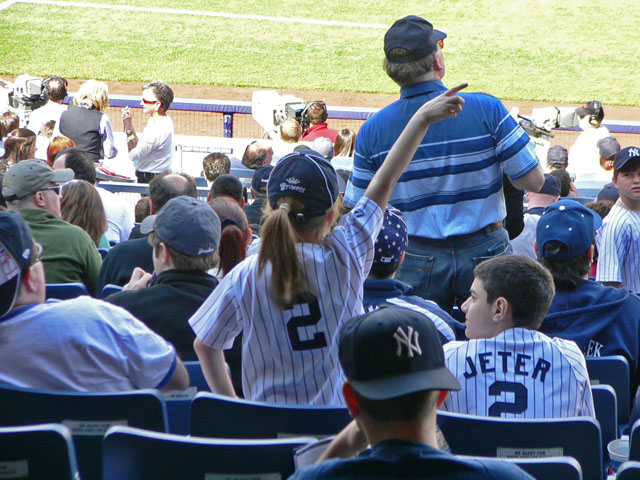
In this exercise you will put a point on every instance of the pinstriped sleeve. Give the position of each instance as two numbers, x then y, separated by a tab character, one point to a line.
362	225
216	323
613	243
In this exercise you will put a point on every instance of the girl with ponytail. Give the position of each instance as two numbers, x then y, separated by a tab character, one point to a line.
290	300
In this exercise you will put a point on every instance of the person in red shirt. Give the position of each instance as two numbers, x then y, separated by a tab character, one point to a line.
315	115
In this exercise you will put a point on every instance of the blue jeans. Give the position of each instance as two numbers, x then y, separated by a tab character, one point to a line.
442	270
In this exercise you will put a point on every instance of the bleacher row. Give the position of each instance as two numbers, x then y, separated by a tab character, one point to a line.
141	434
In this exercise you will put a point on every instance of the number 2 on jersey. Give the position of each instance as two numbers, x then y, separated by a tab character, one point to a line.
319	339
519	404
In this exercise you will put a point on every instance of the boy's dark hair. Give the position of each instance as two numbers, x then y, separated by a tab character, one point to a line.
523	282
566	273
142	209
229	186
565	181
630	165
381	270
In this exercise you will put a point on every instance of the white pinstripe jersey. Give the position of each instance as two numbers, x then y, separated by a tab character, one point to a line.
291	356
519	373
618	241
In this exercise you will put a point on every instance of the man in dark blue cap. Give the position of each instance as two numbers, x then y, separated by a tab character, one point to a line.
396	378
601	320
184	235
451	194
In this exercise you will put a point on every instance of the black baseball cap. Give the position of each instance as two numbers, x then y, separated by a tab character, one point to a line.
551	185
16	251
392	352
260	179
414	34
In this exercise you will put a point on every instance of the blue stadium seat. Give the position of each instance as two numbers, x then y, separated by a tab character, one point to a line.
547	468
65	291
109	289
88	416
613	370
634	442
577	437
134	454
628	471
103	252
196	377
37	452
201	182
217	416
605	403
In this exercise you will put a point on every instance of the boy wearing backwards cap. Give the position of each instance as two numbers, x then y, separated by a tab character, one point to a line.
601	320
618	240
396	377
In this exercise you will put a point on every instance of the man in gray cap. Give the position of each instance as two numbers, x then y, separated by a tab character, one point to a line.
32	188
557	158
185	235
396	378
82	344
451	194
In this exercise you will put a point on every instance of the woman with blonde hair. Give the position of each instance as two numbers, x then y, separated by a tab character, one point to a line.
81	205
19	145
345	144
86	123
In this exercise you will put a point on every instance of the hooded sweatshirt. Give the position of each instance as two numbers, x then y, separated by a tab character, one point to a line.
602	320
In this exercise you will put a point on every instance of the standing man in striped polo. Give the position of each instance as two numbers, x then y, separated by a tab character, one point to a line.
508	369
451	193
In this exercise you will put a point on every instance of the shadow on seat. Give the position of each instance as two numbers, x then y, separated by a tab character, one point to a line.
547	468
133	454
577	437
217	416
37	452
87	415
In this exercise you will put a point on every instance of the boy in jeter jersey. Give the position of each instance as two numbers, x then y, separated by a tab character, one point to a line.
619	238
508	369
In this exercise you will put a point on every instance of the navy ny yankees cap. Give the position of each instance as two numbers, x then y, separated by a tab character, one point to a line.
414	34
391	352
624	156
305	175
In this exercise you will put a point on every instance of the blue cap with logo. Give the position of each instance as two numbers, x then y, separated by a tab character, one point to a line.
307	176
570	223
393	351
624	156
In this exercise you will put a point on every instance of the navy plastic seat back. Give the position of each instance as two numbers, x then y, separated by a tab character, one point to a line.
133	454
87	415
65	291
110	288
613	370
629	471
605	404
577	437
223	417
37	452
547	468
634	442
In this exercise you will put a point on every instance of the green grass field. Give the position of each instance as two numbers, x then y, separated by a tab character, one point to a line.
560	51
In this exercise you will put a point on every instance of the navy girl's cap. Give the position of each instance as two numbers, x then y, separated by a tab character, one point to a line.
307	176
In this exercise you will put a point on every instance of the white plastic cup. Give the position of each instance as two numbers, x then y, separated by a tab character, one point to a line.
618	452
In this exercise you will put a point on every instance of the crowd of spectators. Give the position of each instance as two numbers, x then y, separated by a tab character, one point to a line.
302	292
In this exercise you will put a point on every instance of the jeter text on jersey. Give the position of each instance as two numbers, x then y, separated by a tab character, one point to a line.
519	364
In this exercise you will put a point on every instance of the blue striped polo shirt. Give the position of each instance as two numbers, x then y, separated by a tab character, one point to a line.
453	185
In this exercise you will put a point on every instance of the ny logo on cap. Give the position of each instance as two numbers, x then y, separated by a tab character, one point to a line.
409	339
634	152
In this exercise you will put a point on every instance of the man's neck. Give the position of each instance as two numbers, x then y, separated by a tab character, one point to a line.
629	203
422	431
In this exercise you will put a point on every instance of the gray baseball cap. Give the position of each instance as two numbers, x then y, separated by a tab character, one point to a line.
30	176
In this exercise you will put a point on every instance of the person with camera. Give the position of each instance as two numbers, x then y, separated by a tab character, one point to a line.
314	121
55	91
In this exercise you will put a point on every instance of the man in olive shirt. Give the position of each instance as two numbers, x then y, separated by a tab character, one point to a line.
69	255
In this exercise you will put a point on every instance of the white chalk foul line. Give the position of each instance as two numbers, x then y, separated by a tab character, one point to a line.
171	11
7	4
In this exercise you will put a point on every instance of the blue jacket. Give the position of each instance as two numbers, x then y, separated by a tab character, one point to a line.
379	292
601	320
